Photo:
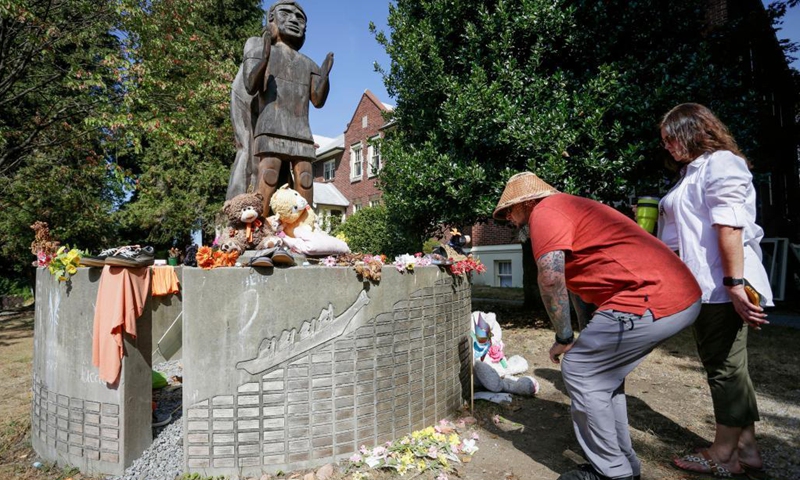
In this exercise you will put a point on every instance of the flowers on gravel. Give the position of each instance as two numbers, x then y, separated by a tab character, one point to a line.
432	448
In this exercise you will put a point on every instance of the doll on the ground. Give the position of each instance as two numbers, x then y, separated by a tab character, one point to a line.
492	369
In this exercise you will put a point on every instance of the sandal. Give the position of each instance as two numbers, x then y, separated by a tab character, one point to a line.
706	466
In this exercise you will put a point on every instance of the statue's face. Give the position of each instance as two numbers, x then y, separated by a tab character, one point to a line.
291	22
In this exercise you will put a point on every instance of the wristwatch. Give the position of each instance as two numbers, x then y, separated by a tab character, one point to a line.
732	282
565	341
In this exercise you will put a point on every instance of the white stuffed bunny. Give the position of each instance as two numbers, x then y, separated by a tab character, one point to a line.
492	370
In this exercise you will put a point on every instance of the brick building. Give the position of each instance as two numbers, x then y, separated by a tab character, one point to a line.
350	163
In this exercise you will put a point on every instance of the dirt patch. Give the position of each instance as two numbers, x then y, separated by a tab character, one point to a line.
668	403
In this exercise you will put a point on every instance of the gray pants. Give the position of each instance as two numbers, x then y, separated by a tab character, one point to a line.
594	372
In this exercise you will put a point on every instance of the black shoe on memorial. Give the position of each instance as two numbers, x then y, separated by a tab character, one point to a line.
133	257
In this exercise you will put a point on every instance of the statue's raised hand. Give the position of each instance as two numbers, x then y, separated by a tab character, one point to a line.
327	64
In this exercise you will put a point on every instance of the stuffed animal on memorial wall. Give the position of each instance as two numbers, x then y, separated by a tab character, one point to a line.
293	210
491	368
247	228
298	222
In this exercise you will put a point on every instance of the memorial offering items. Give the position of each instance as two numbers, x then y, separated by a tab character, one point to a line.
434	449
491	368
121	296
298	223
133	256
65	263
43	246
208	258
165	281
247	228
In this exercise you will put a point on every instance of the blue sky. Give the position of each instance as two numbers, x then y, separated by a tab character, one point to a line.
342	27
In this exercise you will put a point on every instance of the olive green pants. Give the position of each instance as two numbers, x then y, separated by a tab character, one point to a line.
721	338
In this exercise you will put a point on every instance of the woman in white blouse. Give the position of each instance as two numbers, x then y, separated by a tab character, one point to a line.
708	218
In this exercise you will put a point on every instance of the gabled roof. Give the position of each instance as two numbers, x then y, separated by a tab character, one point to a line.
333	146
383	107
328	194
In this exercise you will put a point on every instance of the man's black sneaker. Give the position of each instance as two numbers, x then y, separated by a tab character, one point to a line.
131	257
99	260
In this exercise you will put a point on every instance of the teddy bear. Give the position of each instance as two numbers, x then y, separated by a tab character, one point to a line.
293	210
247	229
491	368
298	222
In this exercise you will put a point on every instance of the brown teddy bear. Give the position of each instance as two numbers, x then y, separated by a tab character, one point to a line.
247	228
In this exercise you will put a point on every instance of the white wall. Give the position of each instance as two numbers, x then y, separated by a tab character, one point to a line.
490	254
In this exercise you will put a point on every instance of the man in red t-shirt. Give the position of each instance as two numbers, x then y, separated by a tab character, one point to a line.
642	294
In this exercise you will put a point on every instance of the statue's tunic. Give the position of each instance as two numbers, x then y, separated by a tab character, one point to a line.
282	128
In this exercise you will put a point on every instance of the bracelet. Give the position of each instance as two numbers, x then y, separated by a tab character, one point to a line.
565	341
732	282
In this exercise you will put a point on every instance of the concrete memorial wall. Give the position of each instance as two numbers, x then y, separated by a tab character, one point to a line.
302	366
283	368
77	419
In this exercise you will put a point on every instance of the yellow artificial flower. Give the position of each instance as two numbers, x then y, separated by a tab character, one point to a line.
72	255
71	269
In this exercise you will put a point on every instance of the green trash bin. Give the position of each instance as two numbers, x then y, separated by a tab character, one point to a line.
647	213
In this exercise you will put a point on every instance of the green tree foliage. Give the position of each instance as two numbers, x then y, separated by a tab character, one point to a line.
59	70
175	130
370	230
481	94
570	89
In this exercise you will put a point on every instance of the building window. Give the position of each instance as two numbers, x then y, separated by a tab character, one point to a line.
502	270
374	157
375	202
329	168
355	162
356	207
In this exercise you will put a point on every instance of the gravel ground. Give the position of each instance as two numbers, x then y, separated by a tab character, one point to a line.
164	459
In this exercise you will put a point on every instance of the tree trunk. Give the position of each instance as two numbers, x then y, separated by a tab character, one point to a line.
530	285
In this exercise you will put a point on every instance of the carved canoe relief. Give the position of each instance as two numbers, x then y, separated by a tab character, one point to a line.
313	333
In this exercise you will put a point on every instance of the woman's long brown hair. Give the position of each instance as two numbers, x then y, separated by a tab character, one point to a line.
697	130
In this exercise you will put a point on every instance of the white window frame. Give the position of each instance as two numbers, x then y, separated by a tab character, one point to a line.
357	207
500	276
329	170
374	156
356	161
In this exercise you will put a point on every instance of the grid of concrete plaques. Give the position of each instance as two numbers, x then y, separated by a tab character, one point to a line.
401	371
75	427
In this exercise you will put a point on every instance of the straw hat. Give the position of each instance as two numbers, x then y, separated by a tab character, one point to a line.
521	188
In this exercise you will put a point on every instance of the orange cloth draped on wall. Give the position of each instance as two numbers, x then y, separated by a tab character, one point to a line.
120	301
165	281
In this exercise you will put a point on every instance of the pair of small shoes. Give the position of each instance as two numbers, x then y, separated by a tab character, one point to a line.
131	256
701	462
260	261
271	257
281	256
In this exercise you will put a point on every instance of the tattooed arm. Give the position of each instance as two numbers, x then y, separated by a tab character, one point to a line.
553	287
